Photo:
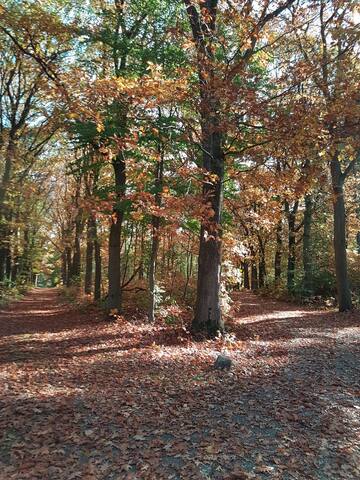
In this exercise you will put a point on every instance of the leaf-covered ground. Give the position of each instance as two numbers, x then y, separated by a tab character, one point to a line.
82	398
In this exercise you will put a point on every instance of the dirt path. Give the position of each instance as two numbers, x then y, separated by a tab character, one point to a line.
81	398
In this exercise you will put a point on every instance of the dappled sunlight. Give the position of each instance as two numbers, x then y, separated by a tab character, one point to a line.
19	314
179	228
129	392
273	316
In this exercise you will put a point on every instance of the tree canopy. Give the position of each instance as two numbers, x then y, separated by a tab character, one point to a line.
164	153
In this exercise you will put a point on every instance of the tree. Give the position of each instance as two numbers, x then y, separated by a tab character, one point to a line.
213	75
335	76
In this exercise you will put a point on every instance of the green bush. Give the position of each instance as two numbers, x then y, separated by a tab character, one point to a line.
324	283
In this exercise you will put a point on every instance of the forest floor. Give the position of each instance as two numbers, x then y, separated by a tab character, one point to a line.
82	398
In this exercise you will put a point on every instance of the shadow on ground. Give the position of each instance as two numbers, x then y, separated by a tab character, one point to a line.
115	401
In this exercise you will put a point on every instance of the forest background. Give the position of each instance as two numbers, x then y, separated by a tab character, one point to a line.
157	155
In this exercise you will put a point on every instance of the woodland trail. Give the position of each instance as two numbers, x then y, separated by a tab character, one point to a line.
82	398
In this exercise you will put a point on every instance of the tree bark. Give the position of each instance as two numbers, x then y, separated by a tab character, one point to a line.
278	253
189	268
207	310
152	267
89	257
246	278
307	247
64	272
4	241
76	260
254	276
14	268
155	237
291	216
262	263
98	263
8	263
342	280
16	253
203	26
25	264
208	316
142	248
4	186
9	156
68	265
114	299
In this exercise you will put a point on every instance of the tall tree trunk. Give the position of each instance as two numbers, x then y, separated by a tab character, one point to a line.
189	268
10	244
142	253
64	272
16	254
8	263
262	263
152	267
246	277
4	186
15	262
208	316
254	271
14	269
307	247
207	310
291	216
76	260
89	257
9	156
278	253
342	280
155	236
4	248
98	265
2	261
75	269
68	265
254	276
25	264
114	266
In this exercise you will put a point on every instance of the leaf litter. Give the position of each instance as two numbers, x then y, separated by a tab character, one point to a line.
85	398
